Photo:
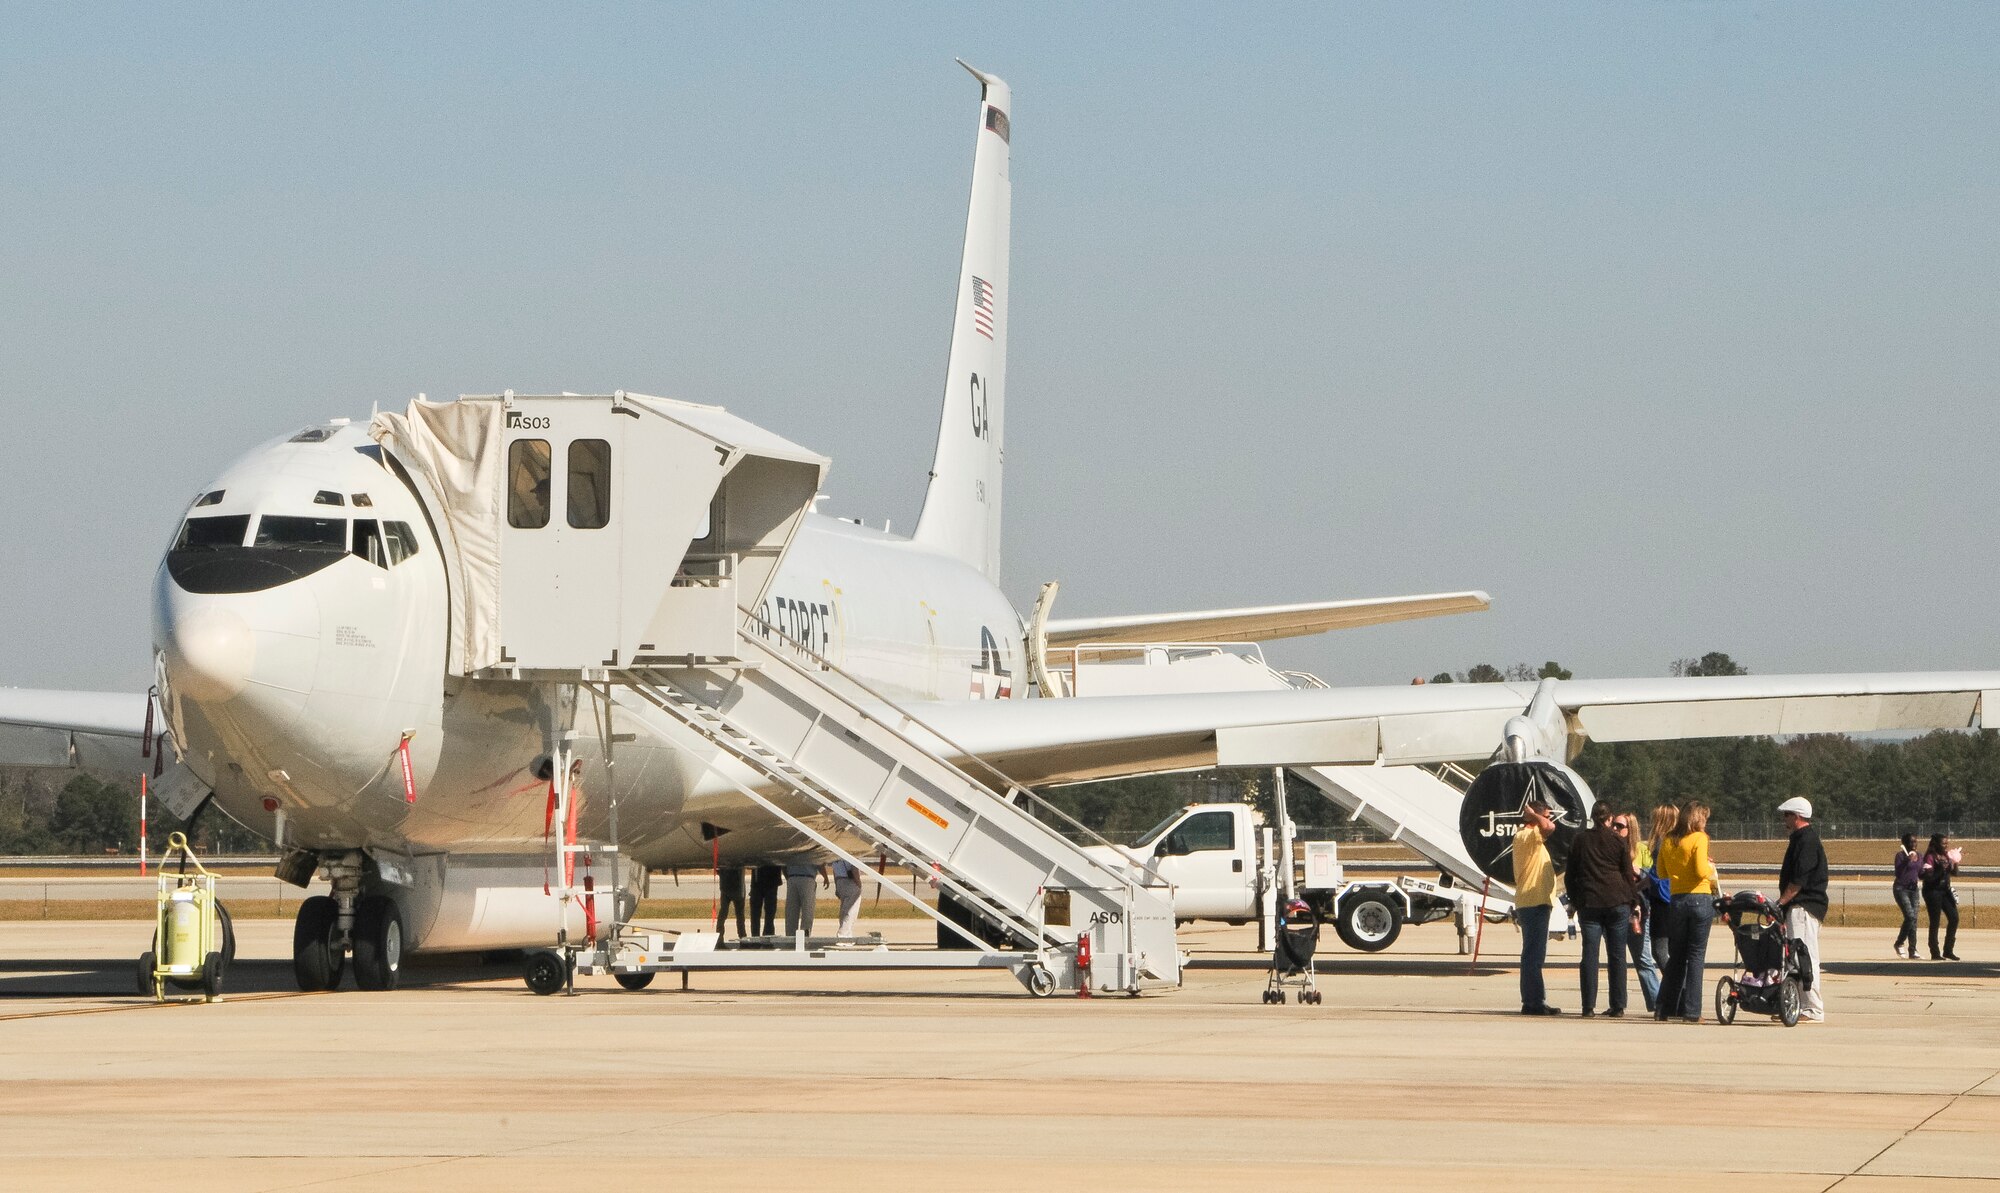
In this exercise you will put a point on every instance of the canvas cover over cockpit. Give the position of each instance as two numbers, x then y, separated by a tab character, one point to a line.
588	532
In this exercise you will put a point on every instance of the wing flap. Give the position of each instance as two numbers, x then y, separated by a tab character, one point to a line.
1779	716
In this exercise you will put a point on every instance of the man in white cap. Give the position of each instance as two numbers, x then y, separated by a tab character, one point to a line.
1802	893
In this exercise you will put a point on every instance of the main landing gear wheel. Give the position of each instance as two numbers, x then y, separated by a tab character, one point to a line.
1725	1001
547	971
1274	997
317	956
634	981
378	943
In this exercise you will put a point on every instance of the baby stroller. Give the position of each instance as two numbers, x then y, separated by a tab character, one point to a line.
1292	958
1773	975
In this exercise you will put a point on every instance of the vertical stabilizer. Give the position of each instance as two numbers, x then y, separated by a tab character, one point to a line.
961	515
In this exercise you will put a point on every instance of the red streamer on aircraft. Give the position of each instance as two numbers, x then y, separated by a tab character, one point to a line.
409	775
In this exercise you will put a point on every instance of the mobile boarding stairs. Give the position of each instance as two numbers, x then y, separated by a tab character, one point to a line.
558	507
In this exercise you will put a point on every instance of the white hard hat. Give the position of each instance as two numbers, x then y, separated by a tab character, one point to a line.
1799	804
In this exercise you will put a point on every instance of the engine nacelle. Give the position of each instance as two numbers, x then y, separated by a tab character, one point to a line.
1491	812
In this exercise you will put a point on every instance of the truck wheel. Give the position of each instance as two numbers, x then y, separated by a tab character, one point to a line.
145	975
634	981
1369	921
1040	982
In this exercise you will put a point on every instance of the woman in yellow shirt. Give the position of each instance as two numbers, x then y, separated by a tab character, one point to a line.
1684	862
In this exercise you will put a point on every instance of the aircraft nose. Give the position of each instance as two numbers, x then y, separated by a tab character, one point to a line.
210	654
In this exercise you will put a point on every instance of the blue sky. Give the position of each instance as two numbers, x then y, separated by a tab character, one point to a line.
1671	324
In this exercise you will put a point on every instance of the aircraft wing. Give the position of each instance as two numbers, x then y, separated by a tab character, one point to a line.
1079	738
94	730
1262	623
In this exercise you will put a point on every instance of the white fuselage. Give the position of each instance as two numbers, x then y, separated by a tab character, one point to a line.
298	643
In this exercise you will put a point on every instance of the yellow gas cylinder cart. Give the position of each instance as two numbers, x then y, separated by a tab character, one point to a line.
192	937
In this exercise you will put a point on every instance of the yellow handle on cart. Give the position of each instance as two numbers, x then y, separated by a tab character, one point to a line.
178	842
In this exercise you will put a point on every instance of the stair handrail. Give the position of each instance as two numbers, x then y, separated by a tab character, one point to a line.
864	827
1013	788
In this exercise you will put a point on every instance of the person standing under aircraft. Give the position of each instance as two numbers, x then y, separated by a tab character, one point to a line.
729	891
1939	865
800	896
1534	896
847	888
1690	875
764	883
1641	944
1909	866
1601	890
1802	894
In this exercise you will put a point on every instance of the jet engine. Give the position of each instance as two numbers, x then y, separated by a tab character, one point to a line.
1490	815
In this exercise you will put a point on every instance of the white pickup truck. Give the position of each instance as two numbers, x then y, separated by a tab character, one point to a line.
1220	860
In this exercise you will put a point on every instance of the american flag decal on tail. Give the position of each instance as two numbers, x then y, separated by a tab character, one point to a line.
982	307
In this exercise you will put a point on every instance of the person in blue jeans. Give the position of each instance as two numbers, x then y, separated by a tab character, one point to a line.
1684	862
1909	868
1534	895
1602	888
1641	943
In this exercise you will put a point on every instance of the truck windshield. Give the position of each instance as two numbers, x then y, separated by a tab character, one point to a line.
1153	834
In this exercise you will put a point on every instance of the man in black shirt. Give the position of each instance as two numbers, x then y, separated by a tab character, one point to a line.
1603	891
1802	893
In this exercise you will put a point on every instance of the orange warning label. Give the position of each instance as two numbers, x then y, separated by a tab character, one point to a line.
927	814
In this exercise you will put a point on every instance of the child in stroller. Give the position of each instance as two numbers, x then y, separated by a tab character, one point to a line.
1292	958
1774	971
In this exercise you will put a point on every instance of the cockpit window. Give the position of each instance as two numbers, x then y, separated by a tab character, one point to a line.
313	435
368	542
528	484
302	534
213	497
384	544
209	555
402	541
207	533
328	497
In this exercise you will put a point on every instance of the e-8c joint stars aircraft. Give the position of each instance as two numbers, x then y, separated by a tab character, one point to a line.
373	640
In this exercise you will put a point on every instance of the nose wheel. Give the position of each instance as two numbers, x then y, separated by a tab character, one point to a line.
319	956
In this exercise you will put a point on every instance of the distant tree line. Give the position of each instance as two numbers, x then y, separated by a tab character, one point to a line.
63	812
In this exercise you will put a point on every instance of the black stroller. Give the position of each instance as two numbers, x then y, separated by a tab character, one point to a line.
1774	971
1292	958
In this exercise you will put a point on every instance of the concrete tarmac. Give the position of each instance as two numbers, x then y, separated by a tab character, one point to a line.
1418	1073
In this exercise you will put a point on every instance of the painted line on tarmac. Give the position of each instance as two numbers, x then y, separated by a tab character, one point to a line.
154	1005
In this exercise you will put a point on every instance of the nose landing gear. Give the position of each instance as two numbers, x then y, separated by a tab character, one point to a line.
330	926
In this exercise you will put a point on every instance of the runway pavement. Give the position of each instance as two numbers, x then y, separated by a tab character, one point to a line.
1416	1074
